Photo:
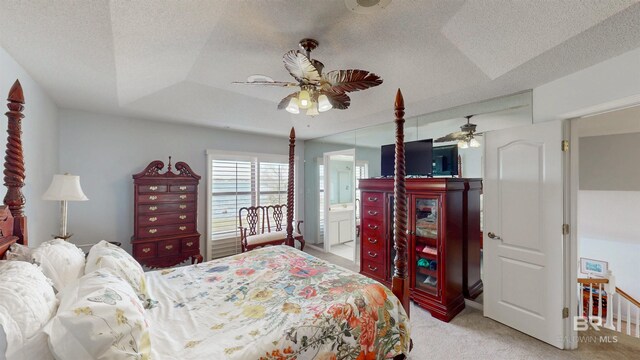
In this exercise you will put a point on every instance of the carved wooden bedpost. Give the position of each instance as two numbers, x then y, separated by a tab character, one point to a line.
292	144
14	163
400	281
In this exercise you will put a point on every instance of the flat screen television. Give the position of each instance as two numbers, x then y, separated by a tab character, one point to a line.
418	158
445	160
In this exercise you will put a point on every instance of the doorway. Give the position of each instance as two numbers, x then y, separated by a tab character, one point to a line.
339	203
604	200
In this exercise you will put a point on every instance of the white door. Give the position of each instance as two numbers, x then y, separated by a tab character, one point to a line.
523	238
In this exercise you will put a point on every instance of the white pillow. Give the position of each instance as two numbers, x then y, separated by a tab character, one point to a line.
99	317
106	255
60	260
27	302
18	252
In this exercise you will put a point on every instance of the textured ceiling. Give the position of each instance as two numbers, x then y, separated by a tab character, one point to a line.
175	60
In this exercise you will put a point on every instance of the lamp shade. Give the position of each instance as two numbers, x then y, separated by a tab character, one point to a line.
293	106
323	103
65	188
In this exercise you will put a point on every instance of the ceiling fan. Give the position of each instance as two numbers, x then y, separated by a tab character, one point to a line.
319	91
465	137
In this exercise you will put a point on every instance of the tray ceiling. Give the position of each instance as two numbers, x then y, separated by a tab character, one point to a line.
175	60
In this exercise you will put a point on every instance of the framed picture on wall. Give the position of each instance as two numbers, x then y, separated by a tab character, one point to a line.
593	267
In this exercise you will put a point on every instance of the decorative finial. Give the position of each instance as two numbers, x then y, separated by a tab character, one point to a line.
15	94
169	166
399	100
292	134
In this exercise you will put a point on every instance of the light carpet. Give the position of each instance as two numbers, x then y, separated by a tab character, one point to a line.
470	335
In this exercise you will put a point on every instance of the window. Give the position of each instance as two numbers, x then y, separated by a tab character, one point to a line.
241	180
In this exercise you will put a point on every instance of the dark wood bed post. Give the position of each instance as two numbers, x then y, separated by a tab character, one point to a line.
14	163
290	195
400	281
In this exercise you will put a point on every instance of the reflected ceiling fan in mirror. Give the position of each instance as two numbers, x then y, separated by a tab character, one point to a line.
465	137
318	91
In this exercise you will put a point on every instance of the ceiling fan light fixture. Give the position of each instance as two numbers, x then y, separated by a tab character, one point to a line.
474	143
323	103
313	109
293	107
304	99
463	144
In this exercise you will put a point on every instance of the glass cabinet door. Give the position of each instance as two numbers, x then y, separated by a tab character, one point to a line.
427	227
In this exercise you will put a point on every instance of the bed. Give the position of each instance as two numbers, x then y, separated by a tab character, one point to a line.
270	303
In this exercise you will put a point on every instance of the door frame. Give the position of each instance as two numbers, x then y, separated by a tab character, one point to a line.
327	192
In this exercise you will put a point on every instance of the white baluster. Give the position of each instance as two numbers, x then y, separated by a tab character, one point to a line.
581	311
628	317
637	322
600	302
619	326
610	289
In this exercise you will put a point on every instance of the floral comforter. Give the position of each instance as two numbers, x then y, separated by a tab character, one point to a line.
273	303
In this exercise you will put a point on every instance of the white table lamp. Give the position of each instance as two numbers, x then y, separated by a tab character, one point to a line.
64	188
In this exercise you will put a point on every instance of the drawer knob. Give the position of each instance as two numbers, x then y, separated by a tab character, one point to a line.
183	188
372	212
372	254
153	231
183	197
153	188
372	268
146	250
169	247
190	243
182	228
153	208
183	206
182	217
372	198
153	219
373	241
153	197
372	227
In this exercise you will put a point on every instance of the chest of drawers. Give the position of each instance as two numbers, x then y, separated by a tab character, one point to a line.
165	215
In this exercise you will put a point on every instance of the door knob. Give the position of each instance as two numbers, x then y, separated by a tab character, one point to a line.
493	236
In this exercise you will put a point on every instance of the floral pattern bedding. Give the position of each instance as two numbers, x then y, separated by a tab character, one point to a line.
273	303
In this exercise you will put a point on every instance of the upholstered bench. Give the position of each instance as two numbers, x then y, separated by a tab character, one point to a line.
266	225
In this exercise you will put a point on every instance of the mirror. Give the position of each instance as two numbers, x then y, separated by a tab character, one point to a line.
448	156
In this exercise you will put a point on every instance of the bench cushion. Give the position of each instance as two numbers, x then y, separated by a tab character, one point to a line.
268	237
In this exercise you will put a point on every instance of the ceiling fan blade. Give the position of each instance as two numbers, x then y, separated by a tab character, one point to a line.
456	136
351	80
319	66
267	83
340	101
301	68
284	102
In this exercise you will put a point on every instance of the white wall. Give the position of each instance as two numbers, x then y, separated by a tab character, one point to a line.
610	84
40	146
106	150
608	230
